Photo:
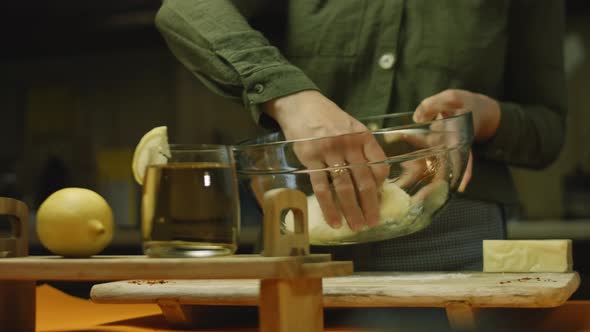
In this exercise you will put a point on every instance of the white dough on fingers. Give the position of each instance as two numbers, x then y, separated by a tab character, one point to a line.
395	203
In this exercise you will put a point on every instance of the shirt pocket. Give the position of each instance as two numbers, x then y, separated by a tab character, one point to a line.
459	34
324	27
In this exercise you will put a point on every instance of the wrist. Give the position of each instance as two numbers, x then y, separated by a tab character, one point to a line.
281	108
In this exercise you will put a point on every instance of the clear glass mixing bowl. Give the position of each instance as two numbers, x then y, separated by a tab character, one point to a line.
423	166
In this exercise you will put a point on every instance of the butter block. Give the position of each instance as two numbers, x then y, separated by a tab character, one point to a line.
527	256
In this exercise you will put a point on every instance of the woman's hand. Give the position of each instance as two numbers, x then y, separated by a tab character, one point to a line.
485	110
309	114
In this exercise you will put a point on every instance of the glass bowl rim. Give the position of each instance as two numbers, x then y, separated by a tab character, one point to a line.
194	147
241	146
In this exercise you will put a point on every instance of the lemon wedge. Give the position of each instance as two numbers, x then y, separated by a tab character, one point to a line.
152	149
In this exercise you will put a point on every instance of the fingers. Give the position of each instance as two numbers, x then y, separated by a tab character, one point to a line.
374	153
366	188
412	172
356	187
369	179
467	174
353	191
346	193
310	156
323	193
444	103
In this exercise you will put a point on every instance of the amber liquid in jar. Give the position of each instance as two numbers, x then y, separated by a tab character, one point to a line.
190	210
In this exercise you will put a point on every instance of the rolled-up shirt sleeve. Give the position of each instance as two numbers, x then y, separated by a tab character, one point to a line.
215	42
533	108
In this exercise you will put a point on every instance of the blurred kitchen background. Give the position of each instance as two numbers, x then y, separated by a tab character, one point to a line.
82	81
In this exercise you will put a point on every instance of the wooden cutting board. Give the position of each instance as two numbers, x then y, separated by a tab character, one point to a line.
477	289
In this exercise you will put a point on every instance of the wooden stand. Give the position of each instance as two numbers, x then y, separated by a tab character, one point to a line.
290	286
296	303
291	279
17	297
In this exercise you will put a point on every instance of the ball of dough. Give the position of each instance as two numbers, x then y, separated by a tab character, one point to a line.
395	203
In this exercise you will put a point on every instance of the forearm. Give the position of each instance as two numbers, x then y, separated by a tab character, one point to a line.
533	106
527	136
215	42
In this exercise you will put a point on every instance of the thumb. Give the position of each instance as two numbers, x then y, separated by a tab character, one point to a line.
467	174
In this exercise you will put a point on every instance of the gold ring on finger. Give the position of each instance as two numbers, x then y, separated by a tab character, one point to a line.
342	164
338	171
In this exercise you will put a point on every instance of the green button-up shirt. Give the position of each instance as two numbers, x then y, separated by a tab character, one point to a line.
380	56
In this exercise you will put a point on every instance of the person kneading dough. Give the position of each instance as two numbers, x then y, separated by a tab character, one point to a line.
394	209
395	204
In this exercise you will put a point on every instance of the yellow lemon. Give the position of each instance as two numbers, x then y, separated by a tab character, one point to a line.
75	222
155	140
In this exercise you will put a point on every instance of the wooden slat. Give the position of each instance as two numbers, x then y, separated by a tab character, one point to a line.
141	267
367	290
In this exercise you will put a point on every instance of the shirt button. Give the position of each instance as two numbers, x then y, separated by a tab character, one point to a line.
386	61
258	88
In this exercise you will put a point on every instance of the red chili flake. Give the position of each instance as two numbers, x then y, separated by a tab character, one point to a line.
153	282
149	282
